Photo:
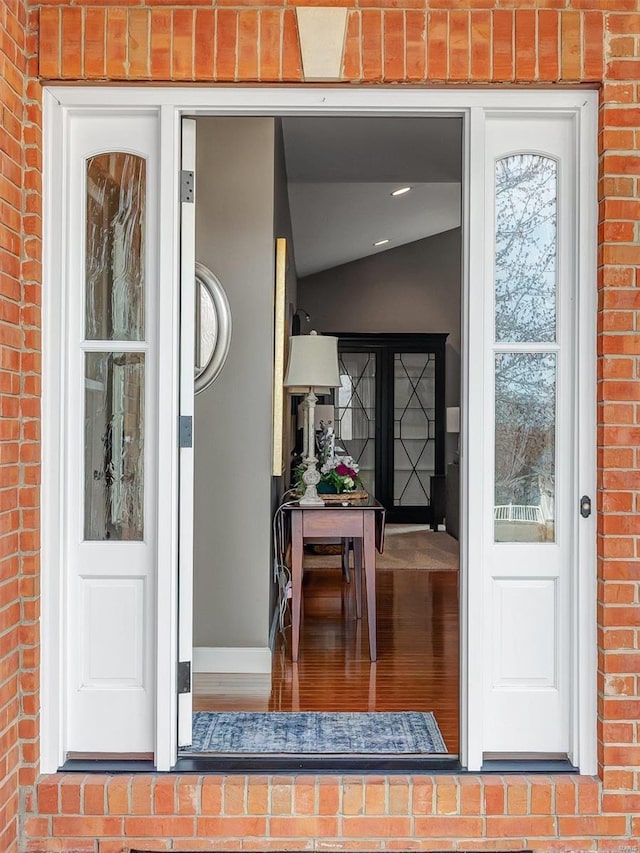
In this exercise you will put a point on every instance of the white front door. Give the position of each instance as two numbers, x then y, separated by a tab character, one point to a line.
111	589
110	443
187	347
524	429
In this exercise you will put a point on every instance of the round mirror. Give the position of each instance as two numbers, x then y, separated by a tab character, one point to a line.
213	328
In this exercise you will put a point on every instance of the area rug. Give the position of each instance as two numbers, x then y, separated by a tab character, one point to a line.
324	733
406	547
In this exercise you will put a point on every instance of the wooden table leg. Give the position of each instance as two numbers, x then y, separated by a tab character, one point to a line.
296	580
295	688
372	687
357	567
370	576
345	559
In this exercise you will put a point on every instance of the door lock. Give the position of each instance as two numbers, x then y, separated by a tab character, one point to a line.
585	506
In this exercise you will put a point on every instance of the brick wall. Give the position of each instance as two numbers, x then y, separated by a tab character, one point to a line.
98	814
19	408
439	42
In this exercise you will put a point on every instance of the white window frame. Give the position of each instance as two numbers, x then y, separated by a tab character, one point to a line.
172	104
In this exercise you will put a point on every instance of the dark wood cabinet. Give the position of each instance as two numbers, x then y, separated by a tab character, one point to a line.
390	416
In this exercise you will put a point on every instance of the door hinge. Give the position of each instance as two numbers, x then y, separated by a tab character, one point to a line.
186	431
184	676
585	506
187	186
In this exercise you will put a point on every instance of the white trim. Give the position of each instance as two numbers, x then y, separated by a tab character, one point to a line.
389	100
239	660
584	564
168	390
336	100
53	391
471	460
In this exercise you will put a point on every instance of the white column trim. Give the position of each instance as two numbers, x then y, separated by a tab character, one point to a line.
472	450
168	471
585	638
52	718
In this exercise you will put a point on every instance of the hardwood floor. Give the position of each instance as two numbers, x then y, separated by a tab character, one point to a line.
417	666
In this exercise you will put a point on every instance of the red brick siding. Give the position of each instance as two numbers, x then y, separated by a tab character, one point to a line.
19	409
446	43
190	813
434	42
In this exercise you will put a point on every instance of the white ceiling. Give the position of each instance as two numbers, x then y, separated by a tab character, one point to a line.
335	223
341	172
424	150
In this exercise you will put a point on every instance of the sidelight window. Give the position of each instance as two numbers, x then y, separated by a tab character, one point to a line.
114	380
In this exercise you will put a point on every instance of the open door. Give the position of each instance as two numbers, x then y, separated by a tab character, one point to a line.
187	350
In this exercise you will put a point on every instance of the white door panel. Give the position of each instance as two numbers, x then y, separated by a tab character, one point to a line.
529	416
187	350
111	439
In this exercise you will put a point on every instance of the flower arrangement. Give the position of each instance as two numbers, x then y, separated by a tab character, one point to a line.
339	474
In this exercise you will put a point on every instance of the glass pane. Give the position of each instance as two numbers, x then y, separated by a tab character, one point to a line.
525	447
114	445
356	412
414	418
114	266
526	248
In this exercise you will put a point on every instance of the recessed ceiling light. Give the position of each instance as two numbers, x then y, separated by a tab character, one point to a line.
381	243
401	191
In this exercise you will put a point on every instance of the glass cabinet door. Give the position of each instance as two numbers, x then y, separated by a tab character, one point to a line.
356	412
390	413
414	427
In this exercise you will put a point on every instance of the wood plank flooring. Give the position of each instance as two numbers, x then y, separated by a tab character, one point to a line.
417	666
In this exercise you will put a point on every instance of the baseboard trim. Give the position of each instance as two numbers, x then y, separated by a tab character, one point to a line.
255	659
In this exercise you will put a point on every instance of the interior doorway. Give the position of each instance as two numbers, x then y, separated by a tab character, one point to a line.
371	212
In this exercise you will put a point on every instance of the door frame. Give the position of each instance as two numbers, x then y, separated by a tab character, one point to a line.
171	104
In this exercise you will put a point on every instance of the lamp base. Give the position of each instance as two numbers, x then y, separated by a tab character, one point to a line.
311	478
311	497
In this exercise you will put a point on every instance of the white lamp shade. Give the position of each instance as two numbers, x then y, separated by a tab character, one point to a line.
313	362
453	419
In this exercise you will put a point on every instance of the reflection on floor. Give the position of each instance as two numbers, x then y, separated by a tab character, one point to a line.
417	666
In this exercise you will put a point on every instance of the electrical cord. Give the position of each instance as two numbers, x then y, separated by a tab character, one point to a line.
281	572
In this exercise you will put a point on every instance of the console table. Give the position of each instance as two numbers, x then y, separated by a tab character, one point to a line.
364	523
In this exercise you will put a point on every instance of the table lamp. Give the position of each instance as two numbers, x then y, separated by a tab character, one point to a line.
313	364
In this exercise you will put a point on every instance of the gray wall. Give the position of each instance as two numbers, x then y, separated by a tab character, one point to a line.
414	288
234	237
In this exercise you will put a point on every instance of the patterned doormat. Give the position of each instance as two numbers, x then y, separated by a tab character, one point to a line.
318	733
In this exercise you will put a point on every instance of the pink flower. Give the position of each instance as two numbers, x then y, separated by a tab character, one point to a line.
345	471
